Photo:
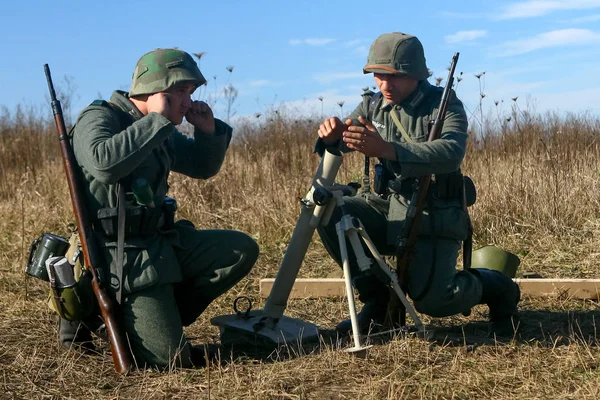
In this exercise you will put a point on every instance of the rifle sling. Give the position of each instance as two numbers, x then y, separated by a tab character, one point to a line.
404	274
120	240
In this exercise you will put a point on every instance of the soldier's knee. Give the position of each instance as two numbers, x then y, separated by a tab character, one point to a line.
425	307
247	250
435	305
167	354
250	247
251	251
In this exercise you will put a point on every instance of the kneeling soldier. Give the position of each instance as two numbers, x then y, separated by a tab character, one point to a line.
164	272
393	125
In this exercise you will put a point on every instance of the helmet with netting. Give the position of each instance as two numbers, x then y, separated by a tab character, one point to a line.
161	69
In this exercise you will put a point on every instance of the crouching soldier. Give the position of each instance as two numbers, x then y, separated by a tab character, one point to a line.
163	272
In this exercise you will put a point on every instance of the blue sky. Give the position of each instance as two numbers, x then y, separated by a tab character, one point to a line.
288	54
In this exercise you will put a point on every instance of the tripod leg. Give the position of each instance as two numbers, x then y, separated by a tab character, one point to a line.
393	277
384	272
358	348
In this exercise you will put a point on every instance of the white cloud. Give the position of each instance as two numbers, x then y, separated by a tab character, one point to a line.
260	83
337	76
461	15
361	50
328	107
465	36
252	87
311	41
577	101
353	43
357	46
537	8
587	18
546	94
557	38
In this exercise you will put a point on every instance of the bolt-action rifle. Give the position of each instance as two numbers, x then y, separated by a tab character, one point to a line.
109	308
412	224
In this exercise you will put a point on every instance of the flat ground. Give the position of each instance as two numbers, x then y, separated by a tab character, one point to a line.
539	197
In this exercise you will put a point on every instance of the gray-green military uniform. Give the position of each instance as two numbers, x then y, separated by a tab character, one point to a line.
172	274
435	285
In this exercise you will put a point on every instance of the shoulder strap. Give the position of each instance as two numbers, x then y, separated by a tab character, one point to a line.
405	135
370	99
124	117
374	98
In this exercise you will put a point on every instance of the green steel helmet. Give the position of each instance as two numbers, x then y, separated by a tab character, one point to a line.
161	69
492	257
397	53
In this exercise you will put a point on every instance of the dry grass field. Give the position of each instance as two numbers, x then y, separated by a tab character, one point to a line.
538	178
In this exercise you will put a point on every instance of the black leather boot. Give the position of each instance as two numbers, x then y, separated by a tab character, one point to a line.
74	335
501	295
199	355
375	296
369	318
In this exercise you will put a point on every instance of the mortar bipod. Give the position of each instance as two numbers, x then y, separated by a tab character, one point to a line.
351	227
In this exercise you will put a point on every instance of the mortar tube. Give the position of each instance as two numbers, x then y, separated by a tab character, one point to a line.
301	237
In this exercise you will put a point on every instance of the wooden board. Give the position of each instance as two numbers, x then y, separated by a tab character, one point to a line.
329	287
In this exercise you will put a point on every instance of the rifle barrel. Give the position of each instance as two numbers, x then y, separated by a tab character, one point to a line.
121	355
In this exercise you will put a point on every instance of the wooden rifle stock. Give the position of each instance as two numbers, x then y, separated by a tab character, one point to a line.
109	309
412	224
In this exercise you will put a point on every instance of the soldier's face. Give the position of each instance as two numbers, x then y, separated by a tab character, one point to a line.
180	101
395	88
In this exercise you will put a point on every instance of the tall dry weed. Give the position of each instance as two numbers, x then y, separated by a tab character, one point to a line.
538	180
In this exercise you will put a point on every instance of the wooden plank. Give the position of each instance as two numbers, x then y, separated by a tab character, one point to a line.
308	287
571	288
329	287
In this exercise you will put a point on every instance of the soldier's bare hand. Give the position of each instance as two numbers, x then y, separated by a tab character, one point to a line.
201	116
366	140
331	129
159	103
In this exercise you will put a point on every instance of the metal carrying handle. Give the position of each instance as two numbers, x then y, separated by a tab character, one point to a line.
242	314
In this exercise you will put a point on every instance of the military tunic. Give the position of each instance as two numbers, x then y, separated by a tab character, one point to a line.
434	284
170	276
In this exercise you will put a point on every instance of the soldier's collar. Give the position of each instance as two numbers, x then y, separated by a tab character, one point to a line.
121	99
414	99
417	96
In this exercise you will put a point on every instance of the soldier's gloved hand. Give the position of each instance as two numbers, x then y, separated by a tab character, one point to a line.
331	129
367	140
201	116
159	103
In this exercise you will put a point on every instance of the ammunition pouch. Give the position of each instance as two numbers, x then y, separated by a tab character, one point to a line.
71	293
470	191
445	187
139	220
